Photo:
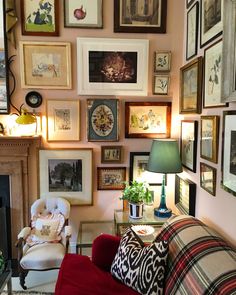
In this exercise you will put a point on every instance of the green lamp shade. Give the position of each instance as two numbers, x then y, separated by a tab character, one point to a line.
25	118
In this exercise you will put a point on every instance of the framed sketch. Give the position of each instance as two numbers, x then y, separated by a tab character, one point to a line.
45	65
147	119
63	120
229	152
192	31
191	87
137	170
66	173
208	178
188	144
185	195
83	14
103	119
111	178
162	61
101	70
209	138
161	84
211	20
111	154
189	3
140	16
40	18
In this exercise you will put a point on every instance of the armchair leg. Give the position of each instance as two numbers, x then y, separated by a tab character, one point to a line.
22	276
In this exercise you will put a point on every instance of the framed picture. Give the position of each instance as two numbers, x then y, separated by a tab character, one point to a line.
111	178
2	66
162	61
192	31
63	120
40	18
211	20
191	87
209	138
188	144
161	84
3	98
140	16
101	69
147	119
103	119
185	195
229	152
81	14
111	154
208	178
45	65
189	3
66	173
137	170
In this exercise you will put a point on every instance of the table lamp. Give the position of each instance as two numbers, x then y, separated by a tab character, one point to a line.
164	158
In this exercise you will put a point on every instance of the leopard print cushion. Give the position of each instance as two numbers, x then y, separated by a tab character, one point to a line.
139	267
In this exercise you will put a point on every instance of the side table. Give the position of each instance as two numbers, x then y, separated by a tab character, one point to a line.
5	279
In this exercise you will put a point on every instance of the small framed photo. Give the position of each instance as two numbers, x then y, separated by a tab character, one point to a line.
111	154
81	14
188	144
208	178
162	61
40	18
45	65
192	31
191	87
209	138
63	120
185	195
147	119
161	84
229	152
111	178
103	119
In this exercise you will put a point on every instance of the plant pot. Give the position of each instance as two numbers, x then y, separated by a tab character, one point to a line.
136	210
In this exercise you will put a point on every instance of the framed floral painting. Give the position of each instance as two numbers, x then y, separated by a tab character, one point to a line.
192	31
162	61
161	84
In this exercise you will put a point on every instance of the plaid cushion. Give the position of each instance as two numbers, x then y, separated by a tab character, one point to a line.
200	261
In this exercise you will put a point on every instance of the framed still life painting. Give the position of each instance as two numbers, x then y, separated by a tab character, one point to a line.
208	178
111	178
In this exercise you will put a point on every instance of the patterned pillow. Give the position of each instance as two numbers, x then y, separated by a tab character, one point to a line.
139	267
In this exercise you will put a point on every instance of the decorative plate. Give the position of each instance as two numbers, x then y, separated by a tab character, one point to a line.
33	99
143	230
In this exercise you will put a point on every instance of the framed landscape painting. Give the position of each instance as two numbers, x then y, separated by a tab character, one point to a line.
111	178
208	178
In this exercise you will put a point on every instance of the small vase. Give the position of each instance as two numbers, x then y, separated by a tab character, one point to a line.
136	210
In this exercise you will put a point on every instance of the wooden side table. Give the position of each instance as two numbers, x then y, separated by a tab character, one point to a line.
5	279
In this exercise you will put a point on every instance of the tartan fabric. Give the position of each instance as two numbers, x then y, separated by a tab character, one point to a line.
200	262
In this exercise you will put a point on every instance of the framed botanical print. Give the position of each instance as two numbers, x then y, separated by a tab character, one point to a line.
192	31
111	154
40	18
208	178
188	144
161	84
103	119
191	87
147	119
63	120
162	61
111	178
229	152
209	138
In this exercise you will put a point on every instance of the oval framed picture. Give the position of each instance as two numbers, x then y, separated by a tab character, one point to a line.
33	99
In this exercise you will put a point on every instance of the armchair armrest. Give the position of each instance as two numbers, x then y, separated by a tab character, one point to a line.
65	235
104	250
68	231
24	233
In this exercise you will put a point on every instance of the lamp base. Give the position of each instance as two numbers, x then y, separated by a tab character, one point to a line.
163	213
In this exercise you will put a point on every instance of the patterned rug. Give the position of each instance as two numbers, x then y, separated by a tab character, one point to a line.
27	293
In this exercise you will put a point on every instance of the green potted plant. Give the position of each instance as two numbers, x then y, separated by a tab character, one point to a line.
2	262
136	193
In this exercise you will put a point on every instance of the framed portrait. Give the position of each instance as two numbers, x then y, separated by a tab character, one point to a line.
147	119
63	120
188	144
40	18
66	173
102	119
111	154
211	20
208	178
209	138
229	152
189	3
140	16
161	84
45	65
101	70
138	172
111	178
185	195
162	61
191	87
83	14
192	31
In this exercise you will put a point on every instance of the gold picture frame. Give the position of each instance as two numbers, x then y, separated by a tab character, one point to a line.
111	178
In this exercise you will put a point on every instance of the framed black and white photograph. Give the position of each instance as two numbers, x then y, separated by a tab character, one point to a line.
192	31
208	178
162	61
111	154
161	84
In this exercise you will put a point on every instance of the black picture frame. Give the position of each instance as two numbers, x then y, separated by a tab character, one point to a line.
189	3
192	31
208	178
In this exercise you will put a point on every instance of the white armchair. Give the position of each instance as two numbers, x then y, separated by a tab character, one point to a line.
43	245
